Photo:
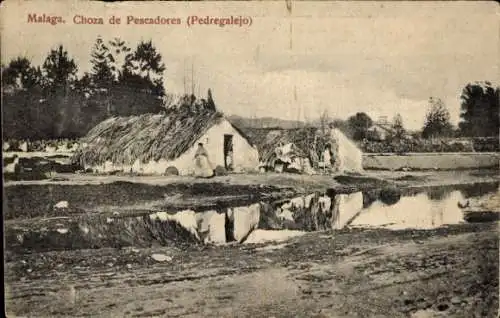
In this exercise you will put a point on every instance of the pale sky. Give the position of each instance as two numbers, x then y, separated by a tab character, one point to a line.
345	57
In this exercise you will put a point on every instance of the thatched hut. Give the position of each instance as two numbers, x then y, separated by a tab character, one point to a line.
305	150
153	143
285	149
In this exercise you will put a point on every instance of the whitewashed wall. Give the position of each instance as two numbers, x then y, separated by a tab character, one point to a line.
432	161
349	156
245	157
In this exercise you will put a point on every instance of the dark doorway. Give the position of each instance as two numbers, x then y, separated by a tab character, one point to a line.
228	152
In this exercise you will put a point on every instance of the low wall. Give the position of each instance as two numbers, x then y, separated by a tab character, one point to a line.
431	161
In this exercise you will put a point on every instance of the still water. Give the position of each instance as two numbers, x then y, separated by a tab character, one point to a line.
418	211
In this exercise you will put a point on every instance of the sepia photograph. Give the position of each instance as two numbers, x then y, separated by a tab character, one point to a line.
250	158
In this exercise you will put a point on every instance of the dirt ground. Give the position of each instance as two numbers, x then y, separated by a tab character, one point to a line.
448	272
298	181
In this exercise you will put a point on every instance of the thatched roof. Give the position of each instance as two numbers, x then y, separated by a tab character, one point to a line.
307	140
147	137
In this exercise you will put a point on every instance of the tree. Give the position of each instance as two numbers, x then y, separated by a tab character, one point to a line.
437	121
360	123
120	53
22	96
141	82
60	70
398	130
19	74
480	110
144	69
210	100
59	96
102	75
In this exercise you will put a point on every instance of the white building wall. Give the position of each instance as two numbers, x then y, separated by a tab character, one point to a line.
245	157
349	157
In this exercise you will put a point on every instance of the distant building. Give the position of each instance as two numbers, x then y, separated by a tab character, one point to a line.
381	130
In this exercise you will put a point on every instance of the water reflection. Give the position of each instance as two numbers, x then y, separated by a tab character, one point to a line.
420	211
261	221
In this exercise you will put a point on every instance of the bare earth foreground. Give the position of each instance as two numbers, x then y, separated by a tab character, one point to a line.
447	272
453	271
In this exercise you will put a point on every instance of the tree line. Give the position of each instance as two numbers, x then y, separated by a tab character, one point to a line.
51	101
479	117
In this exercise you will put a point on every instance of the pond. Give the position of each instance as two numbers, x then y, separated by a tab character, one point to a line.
259	222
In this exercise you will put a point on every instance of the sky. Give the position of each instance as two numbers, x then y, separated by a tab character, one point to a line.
381	58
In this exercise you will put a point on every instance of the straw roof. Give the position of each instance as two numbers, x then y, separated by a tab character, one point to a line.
123	140
307	140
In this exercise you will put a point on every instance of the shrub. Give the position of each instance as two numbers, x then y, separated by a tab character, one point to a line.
429	145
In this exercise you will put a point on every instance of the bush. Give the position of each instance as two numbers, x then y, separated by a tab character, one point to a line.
429	145
171	171
220	171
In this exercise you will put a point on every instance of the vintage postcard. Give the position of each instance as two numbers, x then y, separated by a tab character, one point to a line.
250	159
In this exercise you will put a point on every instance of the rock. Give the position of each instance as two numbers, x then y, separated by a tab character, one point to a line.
61	205
427	313
171	171
264	236
62	231
455	300
220	171
161	257
84	229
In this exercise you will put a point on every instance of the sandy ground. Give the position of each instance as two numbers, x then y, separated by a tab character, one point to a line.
448	272
410	178
451	272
